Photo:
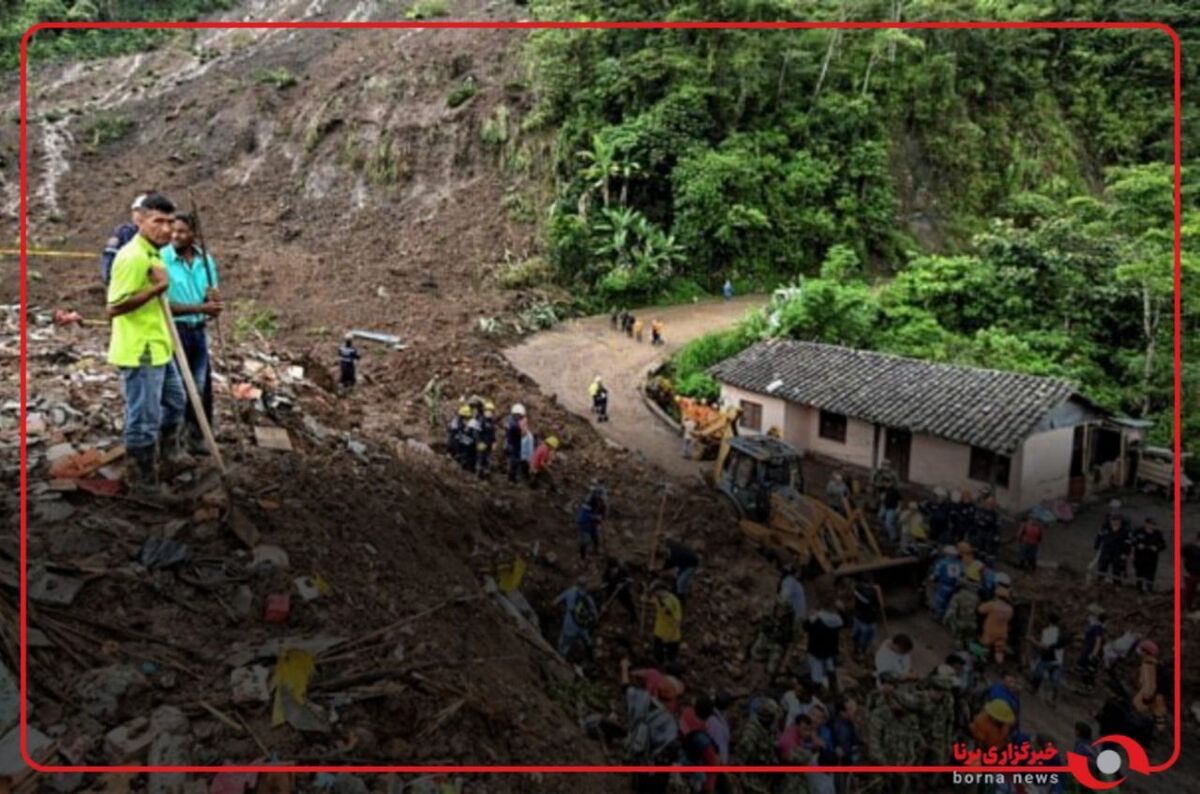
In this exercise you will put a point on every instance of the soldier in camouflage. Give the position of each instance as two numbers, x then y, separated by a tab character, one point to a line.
894	727
962	613
755	746
774	638
939	715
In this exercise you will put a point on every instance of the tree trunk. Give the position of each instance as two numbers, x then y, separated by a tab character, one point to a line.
867	76
833	42
1148	327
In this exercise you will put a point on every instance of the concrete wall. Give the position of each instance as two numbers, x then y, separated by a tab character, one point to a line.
773	409
1045	466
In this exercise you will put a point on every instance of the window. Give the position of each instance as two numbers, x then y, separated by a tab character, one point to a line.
751	415
833	427
987	466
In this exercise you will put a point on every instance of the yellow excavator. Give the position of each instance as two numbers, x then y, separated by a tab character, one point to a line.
763	482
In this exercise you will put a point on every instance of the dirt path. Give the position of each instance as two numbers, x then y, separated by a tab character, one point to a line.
564	360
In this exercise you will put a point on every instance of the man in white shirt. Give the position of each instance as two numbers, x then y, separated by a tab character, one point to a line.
895	657
1050	657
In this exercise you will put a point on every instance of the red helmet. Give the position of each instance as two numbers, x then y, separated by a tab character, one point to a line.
1148	647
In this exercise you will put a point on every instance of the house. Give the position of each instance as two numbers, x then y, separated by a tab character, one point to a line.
1031	438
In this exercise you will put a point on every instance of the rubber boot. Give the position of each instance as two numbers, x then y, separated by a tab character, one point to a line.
174	454
143	475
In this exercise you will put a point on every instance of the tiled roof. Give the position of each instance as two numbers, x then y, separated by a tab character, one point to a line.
981	407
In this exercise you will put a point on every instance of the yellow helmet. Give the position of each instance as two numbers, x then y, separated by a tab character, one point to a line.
1000	711
464	410
552	442
489	406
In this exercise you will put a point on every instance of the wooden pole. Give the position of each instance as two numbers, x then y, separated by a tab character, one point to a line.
662	509
189	384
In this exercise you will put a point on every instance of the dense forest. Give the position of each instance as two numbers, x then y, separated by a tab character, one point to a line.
995	198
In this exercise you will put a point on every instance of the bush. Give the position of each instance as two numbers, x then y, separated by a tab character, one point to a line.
280	77
427	9
699	385
532	272
462	93
105	128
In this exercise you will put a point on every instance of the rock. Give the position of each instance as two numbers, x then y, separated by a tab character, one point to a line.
169	750
269	556
101	691
250	684
53	512
169	720
59	451
242	602
129	742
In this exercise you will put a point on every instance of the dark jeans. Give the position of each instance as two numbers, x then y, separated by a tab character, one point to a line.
154	399
195	347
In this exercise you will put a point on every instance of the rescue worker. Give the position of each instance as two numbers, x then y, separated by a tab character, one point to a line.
984	533
458	436
893	725
347	356
579	617
992	725
513	427
940	714
638	325
589	529
1147	698
487	441
776	631
938	510
998	614
539	464
1029	539
882	478
668	625
947	572
836	493
599	395
656	332
1093	646
962	613
1147	543
119	237
618	585
962	514
1112	543
755	746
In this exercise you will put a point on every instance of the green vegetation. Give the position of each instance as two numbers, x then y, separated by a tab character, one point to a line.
383	166
280	77
462	93
522	274
105	128
253	320
17	17
990	197
1080	289
427	9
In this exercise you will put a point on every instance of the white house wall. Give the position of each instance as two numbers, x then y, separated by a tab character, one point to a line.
773	408
1046	466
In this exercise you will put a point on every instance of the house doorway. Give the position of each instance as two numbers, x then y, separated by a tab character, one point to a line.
897	448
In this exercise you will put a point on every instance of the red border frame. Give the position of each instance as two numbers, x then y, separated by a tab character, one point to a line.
527	25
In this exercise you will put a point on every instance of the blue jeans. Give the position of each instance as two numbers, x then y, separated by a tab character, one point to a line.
888	518
195	347
154	399
863	635
683	582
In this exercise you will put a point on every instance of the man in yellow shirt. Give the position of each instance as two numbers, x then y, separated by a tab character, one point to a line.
140	346
668	625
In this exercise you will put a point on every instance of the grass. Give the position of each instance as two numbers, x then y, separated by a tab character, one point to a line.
383	164
105	128
280	77
495	129
427	9
252	319
462	93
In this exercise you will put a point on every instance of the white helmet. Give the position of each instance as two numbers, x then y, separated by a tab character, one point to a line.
518	410
1003	579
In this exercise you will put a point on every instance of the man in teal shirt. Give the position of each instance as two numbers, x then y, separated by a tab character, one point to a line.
194	299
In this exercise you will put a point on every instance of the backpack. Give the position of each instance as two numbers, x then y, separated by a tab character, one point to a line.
583	613
653	732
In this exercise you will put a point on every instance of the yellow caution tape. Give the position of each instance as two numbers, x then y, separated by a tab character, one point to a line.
41	252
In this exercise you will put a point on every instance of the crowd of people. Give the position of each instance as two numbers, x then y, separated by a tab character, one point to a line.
624	321
832	692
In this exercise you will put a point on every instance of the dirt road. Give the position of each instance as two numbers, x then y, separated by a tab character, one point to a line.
564	360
